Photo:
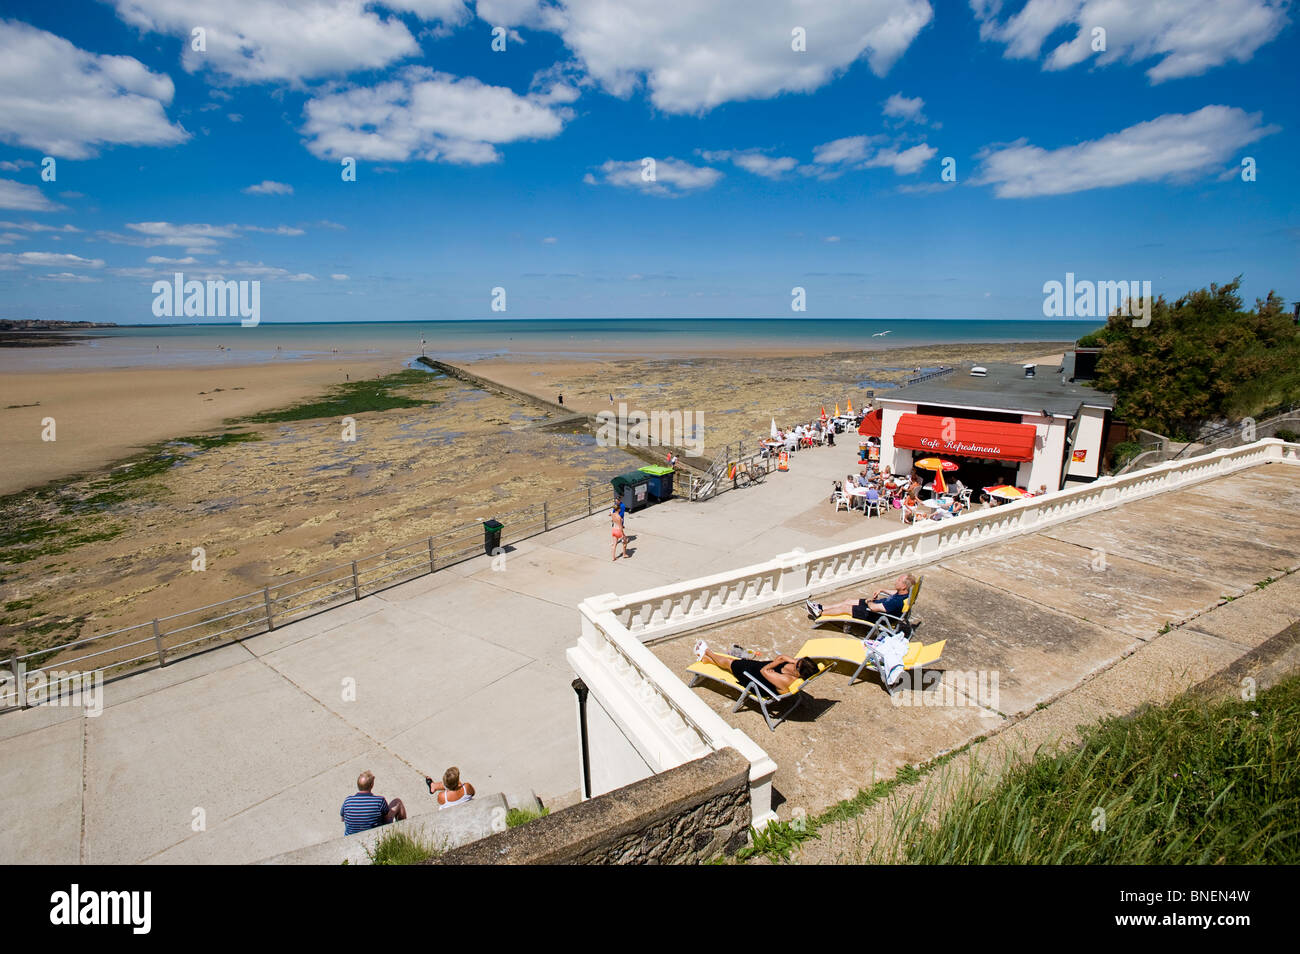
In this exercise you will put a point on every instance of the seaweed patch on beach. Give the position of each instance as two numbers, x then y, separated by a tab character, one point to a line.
357	397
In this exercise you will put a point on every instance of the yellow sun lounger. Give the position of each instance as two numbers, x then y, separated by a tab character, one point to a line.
884	623
754	689
853	651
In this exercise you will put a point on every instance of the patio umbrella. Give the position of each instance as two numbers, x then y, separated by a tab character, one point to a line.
1004	492
773	431
849	408
823	412
837	408
935	463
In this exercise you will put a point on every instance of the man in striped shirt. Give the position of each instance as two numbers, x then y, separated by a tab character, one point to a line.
366	810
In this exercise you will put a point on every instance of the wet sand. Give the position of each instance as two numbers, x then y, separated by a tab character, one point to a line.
104	415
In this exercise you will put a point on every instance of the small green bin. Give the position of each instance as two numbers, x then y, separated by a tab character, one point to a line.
492	536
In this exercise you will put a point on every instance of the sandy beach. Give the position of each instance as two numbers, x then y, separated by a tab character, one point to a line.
80	560
104	415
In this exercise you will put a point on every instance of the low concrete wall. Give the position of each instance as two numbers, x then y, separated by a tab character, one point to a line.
686	815
452	827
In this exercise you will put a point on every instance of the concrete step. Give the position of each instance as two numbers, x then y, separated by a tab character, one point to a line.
482	816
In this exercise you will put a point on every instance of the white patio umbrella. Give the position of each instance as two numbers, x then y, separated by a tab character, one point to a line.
773	433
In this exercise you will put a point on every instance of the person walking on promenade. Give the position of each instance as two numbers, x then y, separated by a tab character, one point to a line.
619	534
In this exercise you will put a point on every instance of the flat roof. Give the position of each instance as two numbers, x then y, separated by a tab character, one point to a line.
1004	387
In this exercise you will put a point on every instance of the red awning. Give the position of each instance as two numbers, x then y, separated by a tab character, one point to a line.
965	437
870	426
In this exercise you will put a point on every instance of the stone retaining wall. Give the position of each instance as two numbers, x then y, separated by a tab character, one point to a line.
688	814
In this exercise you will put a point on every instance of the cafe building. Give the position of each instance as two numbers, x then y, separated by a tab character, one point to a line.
1025	425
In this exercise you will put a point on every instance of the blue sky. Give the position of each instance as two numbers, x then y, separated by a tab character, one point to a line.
522	168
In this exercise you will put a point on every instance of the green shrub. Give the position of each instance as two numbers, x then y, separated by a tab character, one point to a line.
1291	437
1124	452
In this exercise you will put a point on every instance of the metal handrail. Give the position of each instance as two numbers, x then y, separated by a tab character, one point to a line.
276	603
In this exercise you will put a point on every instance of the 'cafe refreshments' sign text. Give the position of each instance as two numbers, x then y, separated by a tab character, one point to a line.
960	447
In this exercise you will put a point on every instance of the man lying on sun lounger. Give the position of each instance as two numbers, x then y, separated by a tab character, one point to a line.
868	610
776	674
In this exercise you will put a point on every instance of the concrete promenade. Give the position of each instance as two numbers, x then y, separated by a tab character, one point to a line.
261	740
258	742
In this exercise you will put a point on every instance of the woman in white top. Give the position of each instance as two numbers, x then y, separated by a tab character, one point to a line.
450	791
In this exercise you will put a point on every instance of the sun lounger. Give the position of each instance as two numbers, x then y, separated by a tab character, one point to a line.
847	649
885	624
753	689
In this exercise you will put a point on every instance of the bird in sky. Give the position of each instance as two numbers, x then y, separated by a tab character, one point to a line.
880	334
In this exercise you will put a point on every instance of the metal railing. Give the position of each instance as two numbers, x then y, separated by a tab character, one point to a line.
286	601
929	375
282	602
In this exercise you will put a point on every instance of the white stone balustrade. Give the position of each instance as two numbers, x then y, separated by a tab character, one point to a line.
665	722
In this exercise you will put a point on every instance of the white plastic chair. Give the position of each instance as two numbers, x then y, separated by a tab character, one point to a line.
842	498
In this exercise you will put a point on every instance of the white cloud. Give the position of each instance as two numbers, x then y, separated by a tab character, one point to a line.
67	102
1175	147
899	106
165	233
754	161
339	277
549	240
25	198
278	230
164	260
903	163
1189	36
48	260
831	239
254	41
671	176
268	187
694	56
29	226
426	115
66	277
16	165
848	149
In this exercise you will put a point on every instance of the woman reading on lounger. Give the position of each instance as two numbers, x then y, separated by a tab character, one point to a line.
777	674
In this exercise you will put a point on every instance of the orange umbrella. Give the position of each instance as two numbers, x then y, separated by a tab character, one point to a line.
823	412
1004	492
935	463
850	408
940	485
837	408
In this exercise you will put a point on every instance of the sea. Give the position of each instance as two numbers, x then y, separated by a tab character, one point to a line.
217	344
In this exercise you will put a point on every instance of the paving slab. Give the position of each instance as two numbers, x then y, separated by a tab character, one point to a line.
304	813
40	795
1256	617
1235	563
222	742
519	733
351	669
1110	590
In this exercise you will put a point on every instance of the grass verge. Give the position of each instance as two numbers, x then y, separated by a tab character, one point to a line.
1193	782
